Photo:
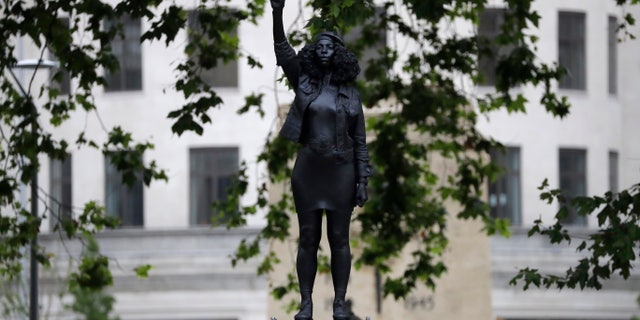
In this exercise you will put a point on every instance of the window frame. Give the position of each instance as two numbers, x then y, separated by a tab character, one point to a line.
197	214
573	45
60	187
217	77
64	83
127	44
129	210
614	171
612	54
487	64
510	180
570	172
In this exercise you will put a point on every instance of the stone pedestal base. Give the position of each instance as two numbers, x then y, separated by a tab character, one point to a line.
366	318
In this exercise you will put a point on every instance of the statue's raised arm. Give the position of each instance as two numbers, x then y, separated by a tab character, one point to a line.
286	57
277	4
278	28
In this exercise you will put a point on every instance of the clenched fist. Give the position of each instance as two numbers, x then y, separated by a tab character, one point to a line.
277	4
361	194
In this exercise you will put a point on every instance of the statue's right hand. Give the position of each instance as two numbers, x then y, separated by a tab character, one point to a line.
277	4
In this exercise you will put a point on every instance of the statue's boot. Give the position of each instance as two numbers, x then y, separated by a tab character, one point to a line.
306	307
340	310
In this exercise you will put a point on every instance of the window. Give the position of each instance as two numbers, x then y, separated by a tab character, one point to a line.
225	74
571	49
212	171
573	180
489	24
122	200
504	193
63	81
613	171
60	192
613	55
129	54
373	49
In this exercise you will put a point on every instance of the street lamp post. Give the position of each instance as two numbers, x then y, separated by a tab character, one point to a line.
34	64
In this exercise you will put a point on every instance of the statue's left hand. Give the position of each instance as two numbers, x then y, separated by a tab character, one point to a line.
361	194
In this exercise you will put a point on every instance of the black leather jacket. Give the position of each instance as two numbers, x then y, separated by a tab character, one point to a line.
351	141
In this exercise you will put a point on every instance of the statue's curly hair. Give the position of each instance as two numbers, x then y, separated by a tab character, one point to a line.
344	64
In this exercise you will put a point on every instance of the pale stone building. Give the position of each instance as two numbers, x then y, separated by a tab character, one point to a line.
592	150
192	278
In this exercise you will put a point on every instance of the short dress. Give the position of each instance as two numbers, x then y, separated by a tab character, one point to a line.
320	181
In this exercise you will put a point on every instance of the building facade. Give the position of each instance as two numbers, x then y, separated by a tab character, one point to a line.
591	151
168	224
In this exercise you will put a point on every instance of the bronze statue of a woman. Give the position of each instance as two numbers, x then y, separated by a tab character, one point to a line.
332	165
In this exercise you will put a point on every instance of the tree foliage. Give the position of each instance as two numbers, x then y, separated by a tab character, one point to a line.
609	251
415	87
82	48
88	285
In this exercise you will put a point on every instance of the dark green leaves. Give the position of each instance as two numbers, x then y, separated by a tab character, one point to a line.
608	251
128	158
253	100
212	41
143	270
89	283
167	26
338	15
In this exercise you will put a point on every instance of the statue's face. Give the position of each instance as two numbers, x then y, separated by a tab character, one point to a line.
324	51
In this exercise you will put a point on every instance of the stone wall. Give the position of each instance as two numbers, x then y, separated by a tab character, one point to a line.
191	275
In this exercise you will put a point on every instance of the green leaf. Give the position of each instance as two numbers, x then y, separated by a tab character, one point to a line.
142	271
